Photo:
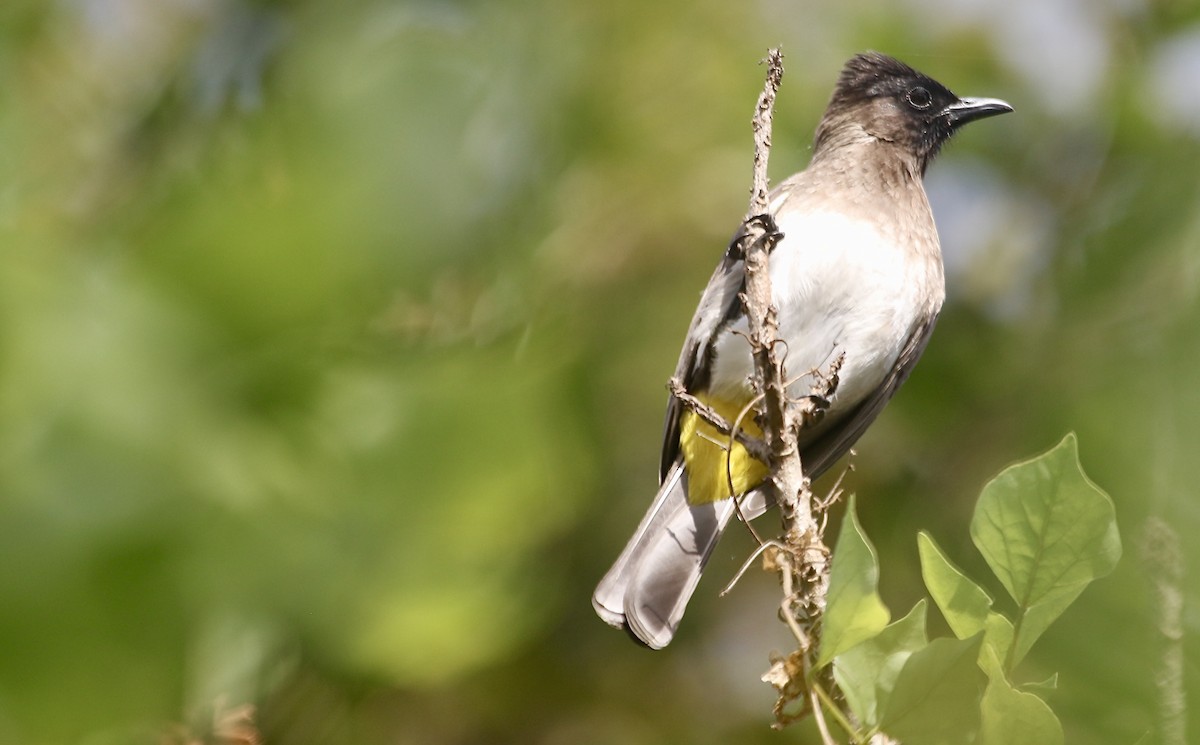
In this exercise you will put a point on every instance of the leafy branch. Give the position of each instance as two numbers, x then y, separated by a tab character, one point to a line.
1046	531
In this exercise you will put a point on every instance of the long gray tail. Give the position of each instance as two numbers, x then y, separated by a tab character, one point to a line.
650	584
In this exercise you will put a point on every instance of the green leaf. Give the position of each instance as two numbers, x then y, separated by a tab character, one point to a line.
963	603
936	697
867	672
1046	531
854	610
998	635
1013	717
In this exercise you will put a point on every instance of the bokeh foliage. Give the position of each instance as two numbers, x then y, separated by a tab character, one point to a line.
333	335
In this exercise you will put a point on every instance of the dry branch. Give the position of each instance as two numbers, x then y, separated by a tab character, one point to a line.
801	557
756	447
803	562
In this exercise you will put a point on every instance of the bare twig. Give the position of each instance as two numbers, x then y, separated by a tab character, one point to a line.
762	547
783	561
756	447
737	426
819	715
759	237
803	562
761	123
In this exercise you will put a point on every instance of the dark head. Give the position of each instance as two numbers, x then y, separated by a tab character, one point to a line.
887	100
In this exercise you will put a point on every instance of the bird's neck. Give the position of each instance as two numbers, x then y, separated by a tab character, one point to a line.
879	180
850	154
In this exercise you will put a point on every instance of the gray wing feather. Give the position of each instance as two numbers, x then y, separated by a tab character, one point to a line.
718	303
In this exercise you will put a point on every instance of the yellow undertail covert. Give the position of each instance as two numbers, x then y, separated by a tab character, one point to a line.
712	460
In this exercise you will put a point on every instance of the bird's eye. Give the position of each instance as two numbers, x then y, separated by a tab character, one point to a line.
919	98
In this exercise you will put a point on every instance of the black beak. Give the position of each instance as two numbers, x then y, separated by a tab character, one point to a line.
969	109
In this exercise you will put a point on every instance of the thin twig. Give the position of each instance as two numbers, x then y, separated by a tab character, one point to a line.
756	447
836	712
763	115
737	504
750	560
803	565
788	575
759	236
819	715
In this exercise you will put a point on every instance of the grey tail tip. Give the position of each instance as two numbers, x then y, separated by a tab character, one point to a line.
613	618
639	640
648	587
619	621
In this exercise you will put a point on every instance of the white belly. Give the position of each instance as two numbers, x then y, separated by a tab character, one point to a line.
841	287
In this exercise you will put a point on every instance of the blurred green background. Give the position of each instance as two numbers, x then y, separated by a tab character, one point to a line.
333	339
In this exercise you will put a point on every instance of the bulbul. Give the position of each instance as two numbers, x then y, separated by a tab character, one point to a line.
857	276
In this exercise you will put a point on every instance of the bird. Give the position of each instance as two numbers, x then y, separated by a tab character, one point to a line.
857	277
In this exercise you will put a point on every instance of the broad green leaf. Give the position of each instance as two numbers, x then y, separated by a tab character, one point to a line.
867	672
963	603
1046	531
1035	618
854	611
998	635
1013	717
935	700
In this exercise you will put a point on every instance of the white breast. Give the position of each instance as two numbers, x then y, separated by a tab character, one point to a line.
841	285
